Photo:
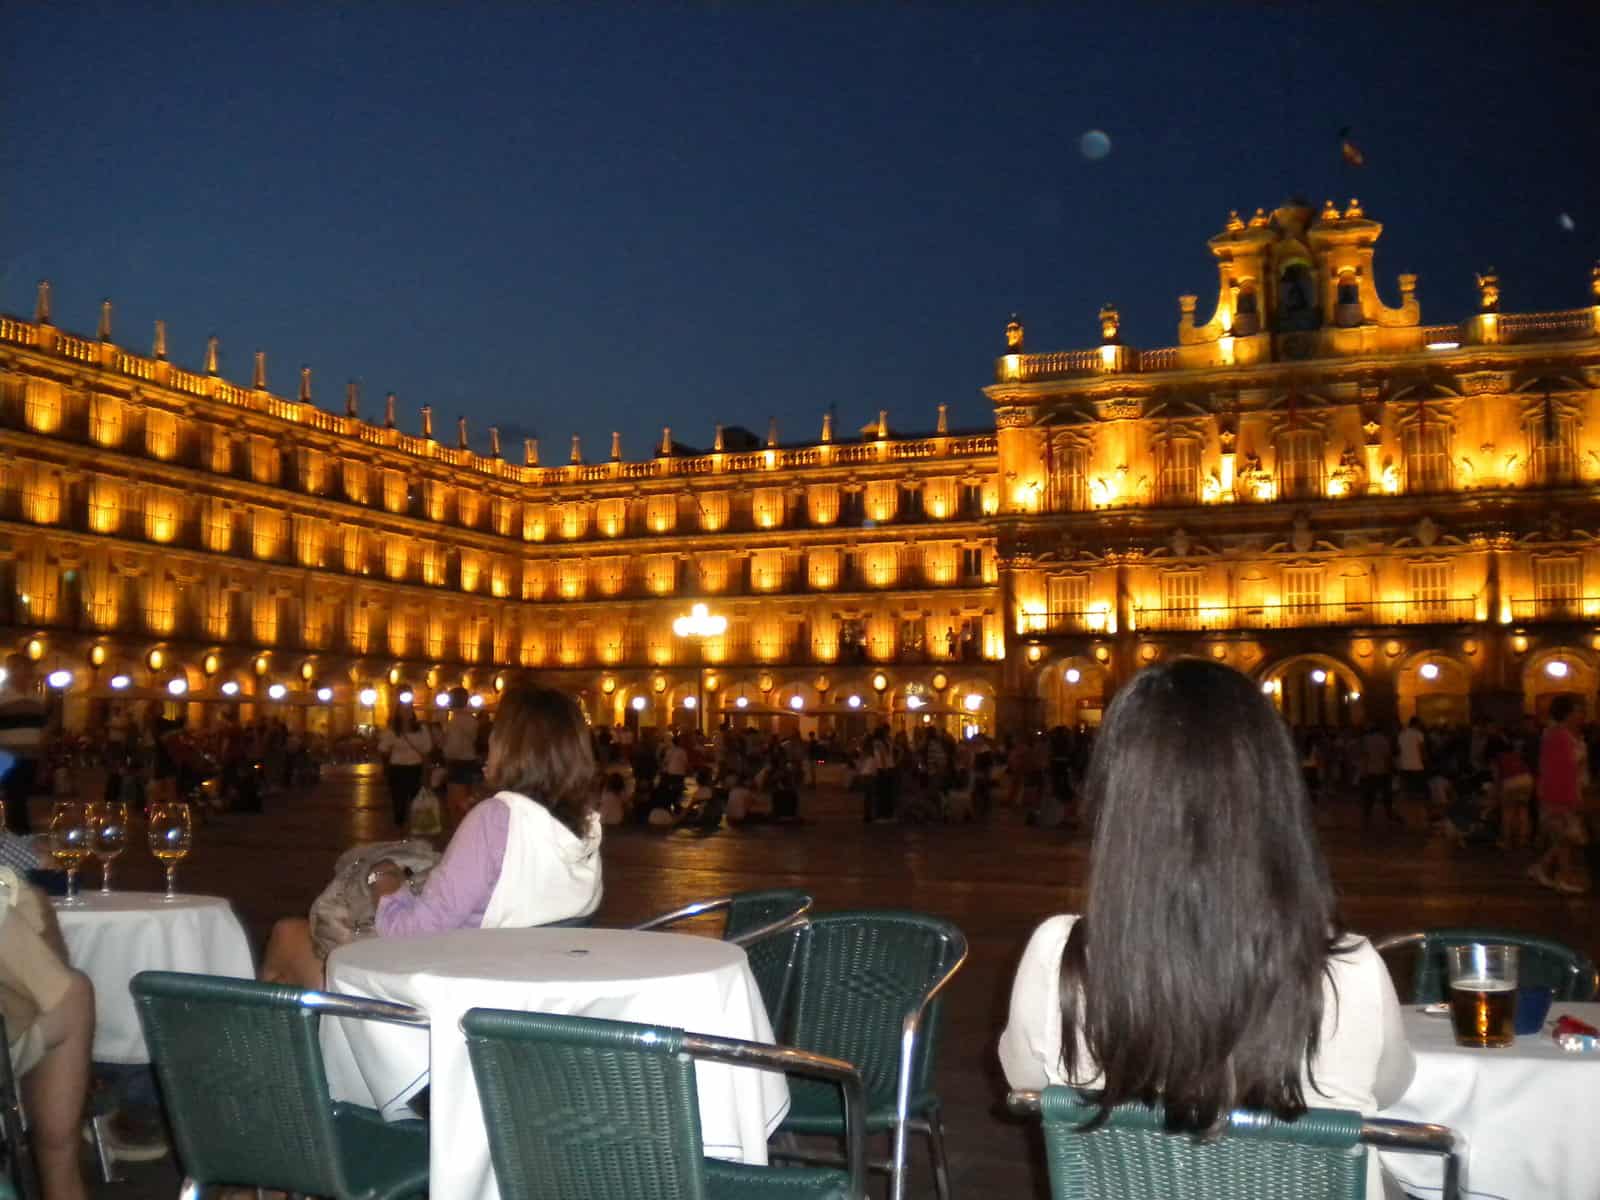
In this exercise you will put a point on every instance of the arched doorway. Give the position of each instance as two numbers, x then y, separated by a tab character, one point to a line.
1435	687
1313	690
1559	671
1073	692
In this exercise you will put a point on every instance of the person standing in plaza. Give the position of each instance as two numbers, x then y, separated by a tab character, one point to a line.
1377	775
460	747
1412	760
1562	771
405	746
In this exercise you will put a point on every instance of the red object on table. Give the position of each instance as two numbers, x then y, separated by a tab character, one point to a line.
1569	1025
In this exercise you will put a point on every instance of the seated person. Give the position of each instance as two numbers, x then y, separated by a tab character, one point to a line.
614	800
1208	967
529	855
49	1020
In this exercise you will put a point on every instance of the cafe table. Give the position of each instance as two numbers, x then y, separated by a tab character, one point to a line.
694	983
1526	1112
112	936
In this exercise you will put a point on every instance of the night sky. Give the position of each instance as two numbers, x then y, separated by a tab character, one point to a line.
583	218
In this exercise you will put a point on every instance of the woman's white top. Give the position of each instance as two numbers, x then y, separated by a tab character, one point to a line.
1363	1062
548	873
408	749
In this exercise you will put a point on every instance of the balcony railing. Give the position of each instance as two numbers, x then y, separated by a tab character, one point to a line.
1299	616
1555	608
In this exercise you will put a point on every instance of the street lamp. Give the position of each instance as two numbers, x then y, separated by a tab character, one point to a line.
697	626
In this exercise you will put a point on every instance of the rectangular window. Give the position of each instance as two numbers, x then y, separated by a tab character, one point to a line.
1069	479
1069	599
1302	595
972	499
972	563
1178	471
1300	464
912	632
1557	586
1430	589
1180	591
1552	448
1427	455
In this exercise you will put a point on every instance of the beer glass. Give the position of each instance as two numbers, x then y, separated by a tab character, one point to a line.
1483	993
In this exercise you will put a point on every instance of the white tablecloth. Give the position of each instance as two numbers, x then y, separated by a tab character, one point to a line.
694	983
1527	1112
111	938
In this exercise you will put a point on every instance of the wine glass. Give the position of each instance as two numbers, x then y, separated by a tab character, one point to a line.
69	841
108	837
171	835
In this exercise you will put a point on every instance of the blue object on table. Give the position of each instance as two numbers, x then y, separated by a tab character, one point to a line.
1533	1006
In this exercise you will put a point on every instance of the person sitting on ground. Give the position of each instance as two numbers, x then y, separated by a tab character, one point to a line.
49	1021
529	855
1208	969
614	800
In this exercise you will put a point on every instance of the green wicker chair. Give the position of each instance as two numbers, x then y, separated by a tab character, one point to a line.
768	925
1320	1156
241	1076
584	1109
867	991
1565	971
16	1152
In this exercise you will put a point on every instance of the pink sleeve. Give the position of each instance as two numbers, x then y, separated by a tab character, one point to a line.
458	889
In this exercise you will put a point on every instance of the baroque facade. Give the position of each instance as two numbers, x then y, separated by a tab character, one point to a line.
1373	516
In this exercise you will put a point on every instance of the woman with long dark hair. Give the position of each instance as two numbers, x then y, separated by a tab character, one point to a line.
1208	970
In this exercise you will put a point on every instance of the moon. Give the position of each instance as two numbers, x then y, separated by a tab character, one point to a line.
1094	145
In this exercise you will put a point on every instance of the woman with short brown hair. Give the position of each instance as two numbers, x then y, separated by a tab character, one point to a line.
528	855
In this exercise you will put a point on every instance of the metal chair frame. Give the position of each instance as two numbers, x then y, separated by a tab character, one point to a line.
906	1124
723	903
1584	975
1377	1133
328	1004
737	1052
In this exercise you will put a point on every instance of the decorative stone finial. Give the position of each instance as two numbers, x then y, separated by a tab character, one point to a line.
352	399
1353	210
772	431
530	452
1329	212
716	442
1408	287
883	423
1014	335
212	343
159	350
1259	221
1110	325
259	378
576	456
389	405
1234	224
105	320
427	421
827	421
944	419
616	445
494	441
666	439
461	433
1186	306
1594	283
305	385
41	304
1489	291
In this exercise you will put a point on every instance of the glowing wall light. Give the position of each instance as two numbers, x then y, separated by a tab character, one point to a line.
60	680
119	682
177	687
230	688
368	696
277	691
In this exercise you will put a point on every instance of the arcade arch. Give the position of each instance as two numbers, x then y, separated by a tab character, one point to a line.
1314	689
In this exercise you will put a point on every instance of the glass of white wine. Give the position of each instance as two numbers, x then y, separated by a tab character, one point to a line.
108	837
69	841
171	835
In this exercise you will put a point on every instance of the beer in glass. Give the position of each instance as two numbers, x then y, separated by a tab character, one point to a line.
1483	993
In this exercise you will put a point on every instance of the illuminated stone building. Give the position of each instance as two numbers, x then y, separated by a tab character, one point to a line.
1373	516
170	535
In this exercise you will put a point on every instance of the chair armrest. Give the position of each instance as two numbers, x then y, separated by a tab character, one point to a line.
1023	1104
363	1008
1417	1137
739	1053
783	925
684	913
1394	941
